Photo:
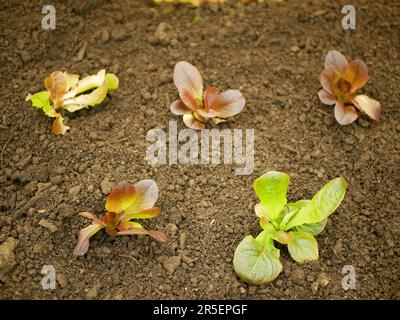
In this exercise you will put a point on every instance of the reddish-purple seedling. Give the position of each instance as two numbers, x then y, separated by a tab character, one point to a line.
198	108
340	80
125	203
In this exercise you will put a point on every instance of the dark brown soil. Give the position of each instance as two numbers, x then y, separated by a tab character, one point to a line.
248	48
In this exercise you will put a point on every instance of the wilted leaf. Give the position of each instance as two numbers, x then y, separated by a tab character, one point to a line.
58	125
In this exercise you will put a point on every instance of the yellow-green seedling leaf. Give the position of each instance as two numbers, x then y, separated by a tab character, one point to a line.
112	81
145	197
313	228
40	100
271	189
324	203
129	224
303	247
290	211
66	91
125	202
256	261
87	100
196	107
120	198
145	214
340	80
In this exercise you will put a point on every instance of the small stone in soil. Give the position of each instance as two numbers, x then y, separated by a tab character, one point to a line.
182	241
65	210
106	186
56	180
298	276
314	287
170	264
323	280
338	246
48	225
92	293
171	230
74	191
7	257
62	280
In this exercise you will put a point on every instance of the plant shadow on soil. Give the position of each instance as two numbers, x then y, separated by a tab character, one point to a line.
273	53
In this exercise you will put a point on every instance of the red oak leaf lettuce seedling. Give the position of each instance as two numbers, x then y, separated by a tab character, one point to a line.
198	108
340	80
125	203
295	224
66	92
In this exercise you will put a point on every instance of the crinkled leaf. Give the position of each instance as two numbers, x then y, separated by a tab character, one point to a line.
145	197
189	83
57	85
85	100
58	125
324	203
85	234
88	83
271	189
303	247
40	100
313	228
257	261
368	105
121	197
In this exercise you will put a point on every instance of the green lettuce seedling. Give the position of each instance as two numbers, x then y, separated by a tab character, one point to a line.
66	92
125	203
295	224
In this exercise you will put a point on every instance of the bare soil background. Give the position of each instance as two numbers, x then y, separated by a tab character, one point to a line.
274	54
